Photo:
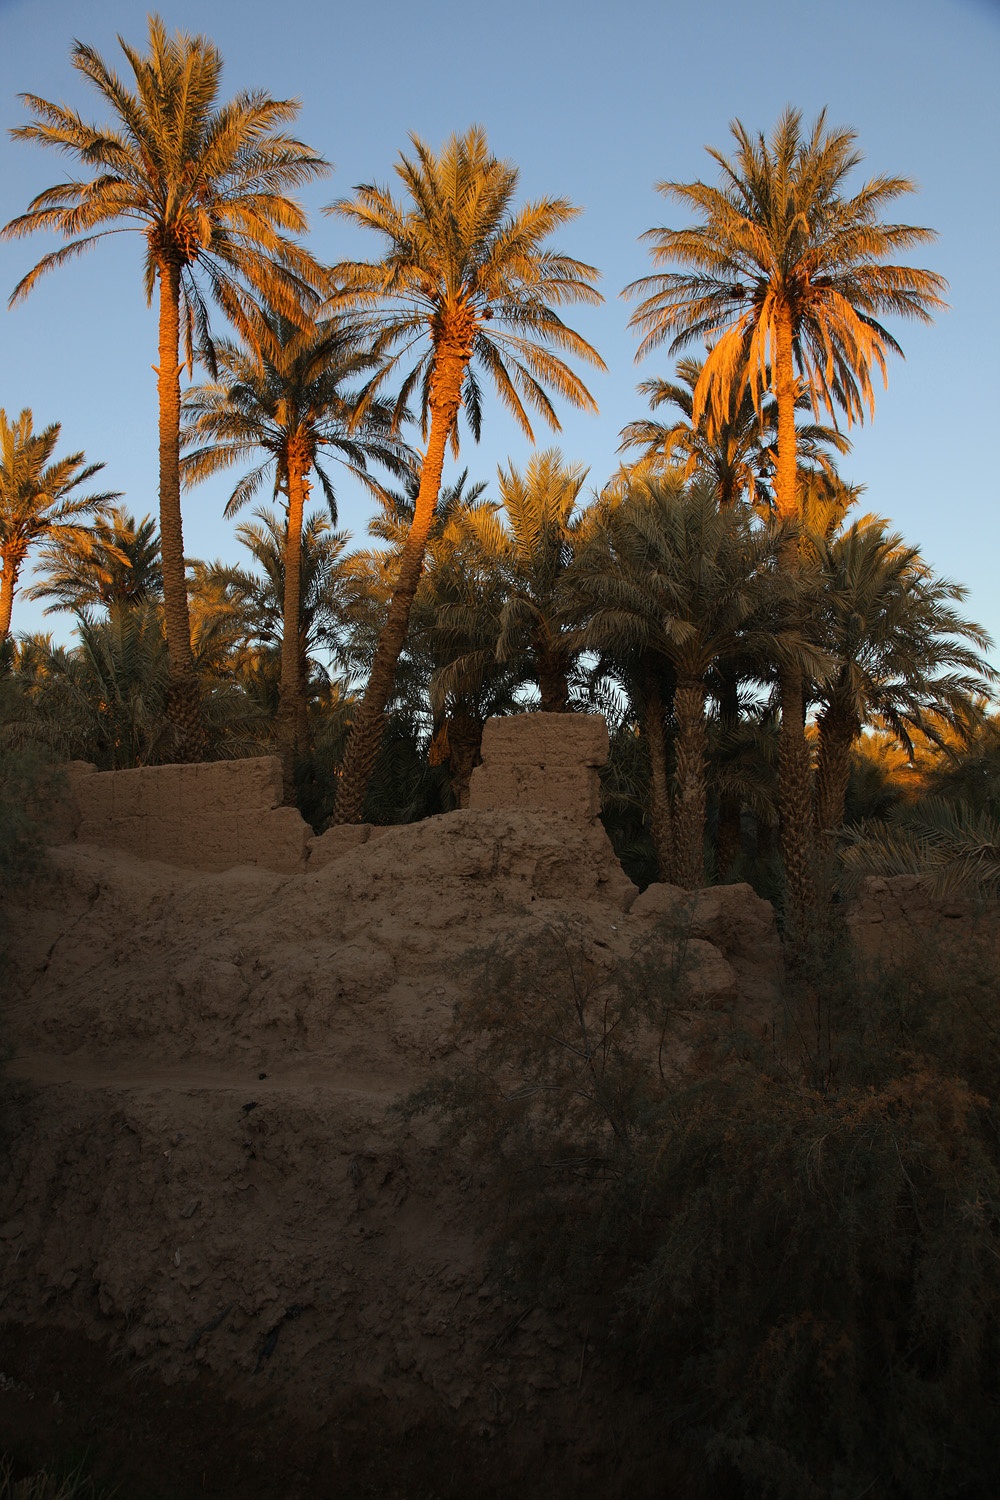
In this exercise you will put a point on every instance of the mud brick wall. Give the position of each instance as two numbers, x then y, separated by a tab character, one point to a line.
544	761
208	817
895	918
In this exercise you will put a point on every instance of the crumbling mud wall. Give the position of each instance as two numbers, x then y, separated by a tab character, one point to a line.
548	762
206	817
223	814
895	919
201	1167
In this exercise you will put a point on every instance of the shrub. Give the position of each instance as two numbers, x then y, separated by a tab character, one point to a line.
796	1241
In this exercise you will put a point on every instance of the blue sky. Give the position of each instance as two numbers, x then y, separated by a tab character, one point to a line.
593	101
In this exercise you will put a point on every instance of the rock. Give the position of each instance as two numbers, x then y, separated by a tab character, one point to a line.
733	918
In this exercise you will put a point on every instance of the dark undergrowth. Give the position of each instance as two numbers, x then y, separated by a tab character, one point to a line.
790	1235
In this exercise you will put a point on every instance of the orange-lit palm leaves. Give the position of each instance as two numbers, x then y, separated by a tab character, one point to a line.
465	286
787	278
206	186
37	502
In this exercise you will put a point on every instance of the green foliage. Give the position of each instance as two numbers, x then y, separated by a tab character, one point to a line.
793	1242
954	848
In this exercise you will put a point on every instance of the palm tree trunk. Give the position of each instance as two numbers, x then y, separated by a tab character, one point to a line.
660	813
183	704
689	776
465	743
291	690
8	583
794	770
552	684
729	833
366	729
837	734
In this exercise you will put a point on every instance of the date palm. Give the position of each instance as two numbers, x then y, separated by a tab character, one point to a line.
206	186
530	542
900	652
736	453
37	499
674	579
465	287
251	604
289	399
785	275
116	561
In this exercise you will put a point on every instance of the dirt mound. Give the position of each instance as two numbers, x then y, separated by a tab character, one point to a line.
203	1166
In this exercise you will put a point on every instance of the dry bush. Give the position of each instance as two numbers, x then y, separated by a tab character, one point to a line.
794	1240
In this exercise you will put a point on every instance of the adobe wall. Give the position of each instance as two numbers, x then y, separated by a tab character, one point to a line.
209	817
225	813
546	762
895	918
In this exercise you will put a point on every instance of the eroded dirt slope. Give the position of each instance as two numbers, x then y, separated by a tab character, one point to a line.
203	1169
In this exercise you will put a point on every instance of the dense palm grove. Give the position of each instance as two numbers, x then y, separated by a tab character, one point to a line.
719	597
795	696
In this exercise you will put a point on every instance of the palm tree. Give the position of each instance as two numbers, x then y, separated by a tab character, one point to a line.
737	452
36	498
206	185
288	399
249	608
530	543
785	276
674	577
896	647
453	633
466	278
116	561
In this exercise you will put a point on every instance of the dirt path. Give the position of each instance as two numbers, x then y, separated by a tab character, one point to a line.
47	1070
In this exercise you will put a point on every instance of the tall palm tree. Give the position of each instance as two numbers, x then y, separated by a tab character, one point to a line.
900	653
37	502
116	561
465	278
786	277
206	185
289	398
735	453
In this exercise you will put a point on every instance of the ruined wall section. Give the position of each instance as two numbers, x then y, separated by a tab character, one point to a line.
207	817
222	814
543	762
894	919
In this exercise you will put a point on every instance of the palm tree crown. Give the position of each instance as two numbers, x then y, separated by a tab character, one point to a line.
781	255
288	399
466	274
115	562
205	185
736	452
36	498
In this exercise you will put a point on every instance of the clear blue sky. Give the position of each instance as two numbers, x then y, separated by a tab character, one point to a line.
593	101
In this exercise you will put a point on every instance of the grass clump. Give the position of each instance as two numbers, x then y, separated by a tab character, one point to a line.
46	1485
